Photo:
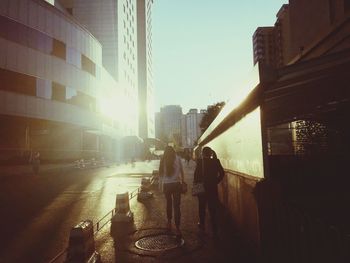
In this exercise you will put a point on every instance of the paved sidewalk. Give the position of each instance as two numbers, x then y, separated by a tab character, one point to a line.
149	228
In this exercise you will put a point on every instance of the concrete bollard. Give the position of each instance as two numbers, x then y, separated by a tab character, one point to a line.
81	247
122	207
144	194
145	184
122	221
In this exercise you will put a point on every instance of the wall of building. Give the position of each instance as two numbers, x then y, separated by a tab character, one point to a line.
322	17
315	14
99	17
264	46
283	37
128	69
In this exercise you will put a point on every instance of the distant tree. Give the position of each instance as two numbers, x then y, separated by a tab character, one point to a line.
210	115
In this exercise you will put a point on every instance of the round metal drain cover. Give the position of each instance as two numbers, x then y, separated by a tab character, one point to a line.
159	242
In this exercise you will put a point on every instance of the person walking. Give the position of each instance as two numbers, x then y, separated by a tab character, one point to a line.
209	172
172	173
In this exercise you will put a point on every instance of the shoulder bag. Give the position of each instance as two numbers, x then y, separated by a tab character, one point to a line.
198	188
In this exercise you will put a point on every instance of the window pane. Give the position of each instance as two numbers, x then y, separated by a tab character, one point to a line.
88	65
17	82
59	49
43	88
58	92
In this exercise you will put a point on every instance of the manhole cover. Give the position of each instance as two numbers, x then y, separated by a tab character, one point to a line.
159	242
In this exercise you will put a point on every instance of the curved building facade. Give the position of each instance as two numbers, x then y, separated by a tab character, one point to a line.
55	95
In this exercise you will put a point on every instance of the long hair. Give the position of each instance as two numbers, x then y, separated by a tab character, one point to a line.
207	152
168	160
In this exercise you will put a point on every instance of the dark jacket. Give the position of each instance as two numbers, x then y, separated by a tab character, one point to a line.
210	173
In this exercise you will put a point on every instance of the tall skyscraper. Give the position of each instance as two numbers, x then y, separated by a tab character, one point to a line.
124	28
190	127
169	124
282	36
264	46
145	73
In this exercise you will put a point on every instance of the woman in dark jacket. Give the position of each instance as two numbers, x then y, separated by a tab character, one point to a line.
209	172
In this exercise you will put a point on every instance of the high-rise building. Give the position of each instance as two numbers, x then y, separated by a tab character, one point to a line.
169	124
290	40
145	72
124	28
264	46
191	129
282	37
158	125
183	131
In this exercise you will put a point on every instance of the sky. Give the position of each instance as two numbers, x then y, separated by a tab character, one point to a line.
202	49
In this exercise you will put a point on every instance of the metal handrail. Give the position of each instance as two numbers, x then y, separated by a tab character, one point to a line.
98	227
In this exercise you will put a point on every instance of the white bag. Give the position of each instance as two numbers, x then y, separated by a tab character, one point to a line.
197	189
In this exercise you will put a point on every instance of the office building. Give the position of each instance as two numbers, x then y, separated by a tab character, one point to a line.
282	37
114	24
263	45
169	124
56	96
191	130
145	71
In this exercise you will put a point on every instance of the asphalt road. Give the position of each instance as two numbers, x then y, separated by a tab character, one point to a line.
37	212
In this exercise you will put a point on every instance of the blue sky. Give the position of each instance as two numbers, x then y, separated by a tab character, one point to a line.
202	49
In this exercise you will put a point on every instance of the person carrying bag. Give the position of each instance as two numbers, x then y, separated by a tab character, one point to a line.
208	172
172	174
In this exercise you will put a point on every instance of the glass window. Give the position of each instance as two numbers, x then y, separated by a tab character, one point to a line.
17	82
70	94
59	49
58	92
73	57
88	65
43	88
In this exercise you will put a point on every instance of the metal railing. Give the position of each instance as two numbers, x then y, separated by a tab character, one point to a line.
101	222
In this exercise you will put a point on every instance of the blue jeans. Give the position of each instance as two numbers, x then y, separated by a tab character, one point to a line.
172	193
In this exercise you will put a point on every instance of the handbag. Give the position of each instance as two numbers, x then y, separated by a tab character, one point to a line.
197	189
183	188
